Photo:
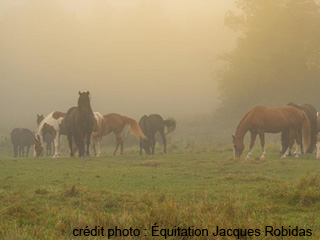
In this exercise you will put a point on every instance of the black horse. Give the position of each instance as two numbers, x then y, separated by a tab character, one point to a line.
21	138
79	124
152	124
311	113
48	138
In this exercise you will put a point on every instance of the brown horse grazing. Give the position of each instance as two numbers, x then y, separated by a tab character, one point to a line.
261	120
115	123
311	113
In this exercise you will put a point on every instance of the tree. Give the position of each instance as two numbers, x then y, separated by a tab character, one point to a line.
276	59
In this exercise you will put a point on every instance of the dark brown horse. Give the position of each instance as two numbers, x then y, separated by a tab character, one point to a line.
311	113
21	138
261	120
115	123
79	122
152	124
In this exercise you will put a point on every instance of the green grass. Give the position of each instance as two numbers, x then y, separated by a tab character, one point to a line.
198	186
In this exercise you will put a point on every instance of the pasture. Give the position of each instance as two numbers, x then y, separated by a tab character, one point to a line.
192	185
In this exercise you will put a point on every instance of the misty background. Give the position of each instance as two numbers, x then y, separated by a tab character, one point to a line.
204	62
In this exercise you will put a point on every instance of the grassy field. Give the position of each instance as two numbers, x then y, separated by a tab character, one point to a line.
194	186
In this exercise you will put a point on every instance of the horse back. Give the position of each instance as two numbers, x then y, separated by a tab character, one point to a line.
114	122
151	124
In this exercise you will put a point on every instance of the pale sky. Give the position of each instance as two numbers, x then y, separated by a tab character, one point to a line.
136	57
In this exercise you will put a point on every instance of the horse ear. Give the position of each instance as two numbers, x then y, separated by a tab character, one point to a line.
38	115
79	93
233	137
88	93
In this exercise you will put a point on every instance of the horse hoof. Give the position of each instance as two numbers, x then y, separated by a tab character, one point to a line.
297	156
283	157
263	158
248	158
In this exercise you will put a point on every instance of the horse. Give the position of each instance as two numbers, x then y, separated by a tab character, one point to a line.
115	123
311	113
48	138
261	120
152	124
318	121
21	138
53	124
318	147
80	124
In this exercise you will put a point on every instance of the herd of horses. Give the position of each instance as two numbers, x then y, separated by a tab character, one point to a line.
81	126
298	123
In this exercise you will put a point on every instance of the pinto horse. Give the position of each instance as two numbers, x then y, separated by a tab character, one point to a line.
261	120
152	124
115	123
80	124
311	113
48	137
53	124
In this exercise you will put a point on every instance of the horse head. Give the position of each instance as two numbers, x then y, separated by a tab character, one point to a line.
37	146
84	102
238	146
146	145
39	119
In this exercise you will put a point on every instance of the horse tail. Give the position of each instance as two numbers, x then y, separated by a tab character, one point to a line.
134	127
170	124
306	132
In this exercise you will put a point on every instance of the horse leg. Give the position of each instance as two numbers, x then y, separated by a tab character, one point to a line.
70	140
98	153
118	142
253	139
94	147
141	146
318	147
27	151
153	144
56	145
88	143
284	142
121	146
298	151
15	150
23	151
164	141
262	141
292	135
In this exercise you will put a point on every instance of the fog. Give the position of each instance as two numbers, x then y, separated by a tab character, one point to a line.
135	57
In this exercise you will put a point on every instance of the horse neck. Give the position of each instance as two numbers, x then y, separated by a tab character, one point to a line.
85	109
242	128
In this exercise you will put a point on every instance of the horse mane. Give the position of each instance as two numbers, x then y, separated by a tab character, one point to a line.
244	117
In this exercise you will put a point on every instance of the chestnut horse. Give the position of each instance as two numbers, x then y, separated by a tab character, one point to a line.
115	123
261	120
